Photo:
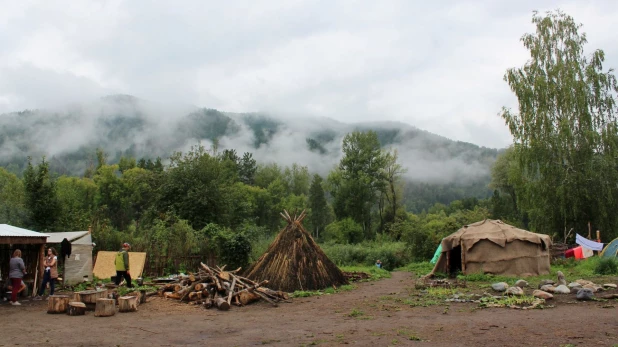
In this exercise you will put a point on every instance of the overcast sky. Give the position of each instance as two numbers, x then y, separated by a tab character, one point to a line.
436	66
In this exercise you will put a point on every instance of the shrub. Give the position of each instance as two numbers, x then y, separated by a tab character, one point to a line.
344	231
607	266
392	254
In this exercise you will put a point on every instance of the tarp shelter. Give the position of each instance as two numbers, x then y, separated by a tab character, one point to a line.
611	250
32	246
491	246
105	268
78	265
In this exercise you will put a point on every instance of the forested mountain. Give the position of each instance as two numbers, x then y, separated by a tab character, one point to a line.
438	169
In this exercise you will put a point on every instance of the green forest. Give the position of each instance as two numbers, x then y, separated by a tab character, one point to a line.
560	173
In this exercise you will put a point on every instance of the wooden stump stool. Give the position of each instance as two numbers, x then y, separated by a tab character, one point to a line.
76	308
89	297
57	304
105	308
127	303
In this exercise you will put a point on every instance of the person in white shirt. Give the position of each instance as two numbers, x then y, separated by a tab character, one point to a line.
51	272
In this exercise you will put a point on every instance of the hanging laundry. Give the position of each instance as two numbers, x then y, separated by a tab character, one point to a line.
582	241
587	252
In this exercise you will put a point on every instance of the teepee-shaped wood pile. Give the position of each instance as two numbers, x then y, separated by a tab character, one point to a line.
294	261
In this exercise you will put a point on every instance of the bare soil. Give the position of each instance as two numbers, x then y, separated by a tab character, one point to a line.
373	314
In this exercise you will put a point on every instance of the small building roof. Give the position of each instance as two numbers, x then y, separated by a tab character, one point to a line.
11	231
69	235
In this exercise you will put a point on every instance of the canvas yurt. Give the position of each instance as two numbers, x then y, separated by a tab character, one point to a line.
294	261
494	247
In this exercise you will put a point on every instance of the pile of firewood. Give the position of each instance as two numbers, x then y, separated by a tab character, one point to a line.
215	287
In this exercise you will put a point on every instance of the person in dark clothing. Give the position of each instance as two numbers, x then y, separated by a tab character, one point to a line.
122	265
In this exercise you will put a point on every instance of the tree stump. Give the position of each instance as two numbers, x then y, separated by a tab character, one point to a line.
143	297
105	308
222	304
57	304
76	309
127	303
91	296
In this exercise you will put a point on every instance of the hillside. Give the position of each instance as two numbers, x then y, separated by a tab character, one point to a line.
439	169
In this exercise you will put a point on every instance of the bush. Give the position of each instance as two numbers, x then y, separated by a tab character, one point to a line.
392	254
606	266
343	231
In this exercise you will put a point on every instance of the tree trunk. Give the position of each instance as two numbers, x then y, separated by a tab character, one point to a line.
127	303
57	304
247	297
76	309
105	308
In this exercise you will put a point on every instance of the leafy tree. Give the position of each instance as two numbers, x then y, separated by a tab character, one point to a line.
359	178
113	196
392	193
77	199
565	132
41	198
12	199
318	216
197	188
247	169
344	231
298	179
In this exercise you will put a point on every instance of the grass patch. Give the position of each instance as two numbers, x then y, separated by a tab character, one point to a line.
408	334
356	313
374	272
327	291
419	269
508	301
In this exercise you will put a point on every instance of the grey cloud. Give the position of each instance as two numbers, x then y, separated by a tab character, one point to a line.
437	66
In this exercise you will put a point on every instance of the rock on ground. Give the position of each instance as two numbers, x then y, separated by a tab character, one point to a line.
515	291
574	285
521	284
610	285
500	286
561	279
562	289
545	282
548	288
585	294
541	294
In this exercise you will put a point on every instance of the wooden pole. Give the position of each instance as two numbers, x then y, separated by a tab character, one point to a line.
589	231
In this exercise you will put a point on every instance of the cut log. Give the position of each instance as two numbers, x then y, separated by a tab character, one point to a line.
247	297
91	296
193	296
105	308
170	295
200	286
127	303
76	308
142	297
58	303
222	304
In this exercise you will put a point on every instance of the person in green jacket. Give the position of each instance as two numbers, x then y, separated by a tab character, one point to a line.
122	265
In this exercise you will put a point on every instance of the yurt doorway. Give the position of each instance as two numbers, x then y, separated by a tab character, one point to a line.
454	260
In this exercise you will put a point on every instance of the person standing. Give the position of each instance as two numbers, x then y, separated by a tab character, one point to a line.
51	272
122	265
17	271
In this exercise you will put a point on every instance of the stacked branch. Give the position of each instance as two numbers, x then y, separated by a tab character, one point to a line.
294	261
215	287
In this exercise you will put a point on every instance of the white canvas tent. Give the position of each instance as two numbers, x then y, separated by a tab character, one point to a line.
79	264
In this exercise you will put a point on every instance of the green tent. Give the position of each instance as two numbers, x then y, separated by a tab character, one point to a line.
436	255
611	250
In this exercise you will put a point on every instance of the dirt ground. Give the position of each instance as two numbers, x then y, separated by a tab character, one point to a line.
373	314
